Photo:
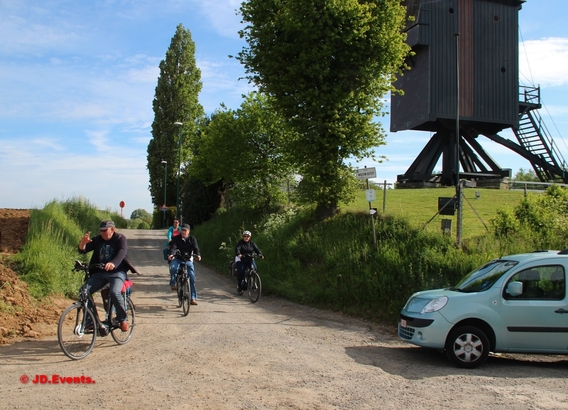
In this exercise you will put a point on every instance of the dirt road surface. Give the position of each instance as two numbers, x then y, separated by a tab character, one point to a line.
231	354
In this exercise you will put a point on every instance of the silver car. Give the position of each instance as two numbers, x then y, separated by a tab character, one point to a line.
514	304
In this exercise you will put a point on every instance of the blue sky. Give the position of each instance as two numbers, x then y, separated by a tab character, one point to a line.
77	79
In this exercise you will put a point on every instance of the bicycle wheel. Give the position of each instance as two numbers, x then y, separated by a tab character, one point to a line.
118	335
76	341
254	286
186	297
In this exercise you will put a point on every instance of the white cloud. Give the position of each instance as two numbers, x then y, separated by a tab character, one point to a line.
223	16
544	62
105	175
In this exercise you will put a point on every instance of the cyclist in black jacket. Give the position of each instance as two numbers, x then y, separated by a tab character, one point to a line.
187	244
109	248
244	248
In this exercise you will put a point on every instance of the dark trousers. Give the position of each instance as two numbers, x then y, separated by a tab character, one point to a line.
241	267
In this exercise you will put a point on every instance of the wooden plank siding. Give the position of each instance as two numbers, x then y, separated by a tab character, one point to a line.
488	67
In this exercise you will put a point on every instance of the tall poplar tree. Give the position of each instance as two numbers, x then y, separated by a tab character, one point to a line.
175	100
327	64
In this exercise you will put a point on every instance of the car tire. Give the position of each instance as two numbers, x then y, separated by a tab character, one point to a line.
467	347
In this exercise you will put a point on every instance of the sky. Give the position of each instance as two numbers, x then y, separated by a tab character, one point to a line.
77	80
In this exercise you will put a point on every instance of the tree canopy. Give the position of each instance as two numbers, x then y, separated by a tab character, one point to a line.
245	151
140	214
326	64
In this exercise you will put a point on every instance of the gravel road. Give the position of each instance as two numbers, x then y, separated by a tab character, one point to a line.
231	354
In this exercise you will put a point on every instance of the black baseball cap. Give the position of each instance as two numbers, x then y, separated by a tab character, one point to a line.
105	225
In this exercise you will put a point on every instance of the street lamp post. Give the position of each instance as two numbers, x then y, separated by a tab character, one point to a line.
165	164
458	183
178	124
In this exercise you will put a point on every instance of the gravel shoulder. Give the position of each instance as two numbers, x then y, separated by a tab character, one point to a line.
231	354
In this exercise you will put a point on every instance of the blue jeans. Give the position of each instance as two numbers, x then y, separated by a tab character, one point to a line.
97	281
174	266
241	266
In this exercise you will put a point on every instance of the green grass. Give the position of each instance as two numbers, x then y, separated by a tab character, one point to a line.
54	232
418	206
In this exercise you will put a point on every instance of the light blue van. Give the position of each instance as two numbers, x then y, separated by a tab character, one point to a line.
514	304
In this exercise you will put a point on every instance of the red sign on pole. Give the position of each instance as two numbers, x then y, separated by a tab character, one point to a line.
122	204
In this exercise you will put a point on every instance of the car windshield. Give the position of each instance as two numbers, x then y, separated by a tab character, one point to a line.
483	278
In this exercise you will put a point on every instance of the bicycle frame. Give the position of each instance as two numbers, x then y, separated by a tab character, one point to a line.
252	280
88	303
182	282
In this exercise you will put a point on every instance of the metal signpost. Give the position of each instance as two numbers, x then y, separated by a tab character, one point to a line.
370	195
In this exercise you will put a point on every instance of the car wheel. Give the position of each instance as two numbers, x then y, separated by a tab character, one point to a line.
467	347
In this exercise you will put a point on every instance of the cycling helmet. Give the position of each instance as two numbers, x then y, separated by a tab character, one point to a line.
246	233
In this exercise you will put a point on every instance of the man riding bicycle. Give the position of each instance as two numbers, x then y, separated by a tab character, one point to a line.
109	249
244	248
187	245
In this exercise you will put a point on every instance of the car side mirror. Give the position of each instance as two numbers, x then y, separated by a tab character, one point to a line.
515	288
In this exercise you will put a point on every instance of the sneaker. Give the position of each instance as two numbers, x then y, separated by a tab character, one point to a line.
240	292
174	287
193	302
124	326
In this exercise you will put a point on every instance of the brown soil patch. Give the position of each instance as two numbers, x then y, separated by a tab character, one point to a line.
20	315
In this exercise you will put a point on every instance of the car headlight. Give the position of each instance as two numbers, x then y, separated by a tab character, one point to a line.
435	304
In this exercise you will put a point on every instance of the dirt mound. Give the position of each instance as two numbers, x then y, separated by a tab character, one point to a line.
20	315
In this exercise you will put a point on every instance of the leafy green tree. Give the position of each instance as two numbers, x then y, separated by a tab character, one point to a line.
175	100
140	214
140	217
526	176
244	151
326	63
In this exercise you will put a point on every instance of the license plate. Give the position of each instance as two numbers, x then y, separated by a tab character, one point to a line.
402	323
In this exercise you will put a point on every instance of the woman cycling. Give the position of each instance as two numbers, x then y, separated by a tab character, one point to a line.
244	248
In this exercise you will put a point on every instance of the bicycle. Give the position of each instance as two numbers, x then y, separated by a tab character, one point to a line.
182	282
252	279
80	324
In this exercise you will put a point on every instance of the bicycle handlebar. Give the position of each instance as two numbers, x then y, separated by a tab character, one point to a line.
183	255
252	255
80	266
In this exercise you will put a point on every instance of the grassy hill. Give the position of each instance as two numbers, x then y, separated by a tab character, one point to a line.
333	264
418	206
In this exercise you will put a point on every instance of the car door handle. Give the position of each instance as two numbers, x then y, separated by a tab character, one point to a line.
561	311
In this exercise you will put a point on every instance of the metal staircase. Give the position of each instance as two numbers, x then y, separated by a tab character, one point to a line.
534	137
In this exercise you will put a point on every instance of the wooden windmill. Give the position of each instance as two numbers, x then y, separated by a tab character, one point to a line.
463	83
